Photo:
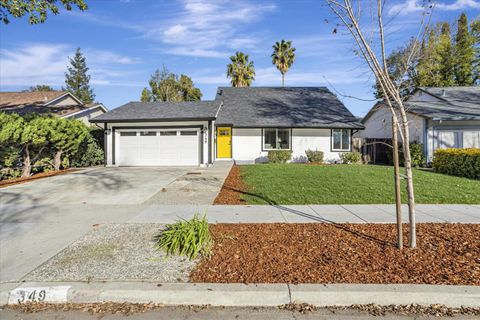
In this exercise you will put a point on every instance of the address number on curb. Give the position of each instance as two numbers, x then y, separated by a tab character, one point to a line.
38	294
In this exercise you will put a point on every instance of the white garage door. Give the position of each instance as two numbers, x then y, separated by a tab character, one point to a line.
171	147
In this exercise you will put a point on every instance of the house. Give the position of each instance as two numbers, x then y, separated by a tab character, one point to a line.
447	117
60	103
241	124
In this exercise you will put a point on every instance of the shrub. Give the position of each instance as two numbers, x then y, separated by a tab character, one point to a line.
188	238
279	156
416	153
90	152
9	173
314	156
350	157
458	162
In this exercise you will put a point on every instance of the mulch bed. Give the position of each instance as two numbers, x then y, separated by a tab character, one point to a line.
232	188
346	253
11	182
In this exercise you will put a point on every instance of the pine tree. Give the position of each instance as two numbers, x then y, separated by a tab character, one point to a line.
428	69
146	95
475	30
77	79
464	53
446	56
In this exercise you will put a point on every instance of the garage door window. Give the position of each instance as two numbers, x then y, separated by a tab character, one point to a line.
148	133
168	133
128	134
188	133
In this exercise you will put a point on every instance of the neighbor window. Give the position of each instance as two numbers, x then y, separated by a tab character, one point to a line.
341	139
276	139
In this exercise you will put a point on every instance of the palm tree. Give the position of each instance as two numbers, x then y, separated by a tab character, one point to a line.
240	70
283	57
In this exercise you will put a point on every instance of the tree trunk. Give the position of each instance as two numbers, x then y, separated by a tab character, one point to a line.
409	174
57	160
283	80
398	195
27	164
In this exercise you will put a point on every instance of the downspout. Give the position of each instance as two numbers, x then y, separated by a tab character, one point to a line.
105	138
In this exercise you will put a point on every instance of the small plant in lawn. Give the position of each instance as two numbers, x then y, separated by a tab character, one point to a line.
186	237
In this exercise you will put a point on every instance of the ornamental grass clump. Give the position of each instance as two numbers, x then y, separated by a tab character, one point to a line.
186	237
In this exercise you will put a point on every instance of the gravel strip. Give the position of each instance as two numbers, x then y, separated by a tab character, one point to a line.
115	252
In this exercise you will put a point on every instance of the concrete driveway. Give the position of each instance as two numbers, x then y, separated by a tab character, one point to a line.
40	218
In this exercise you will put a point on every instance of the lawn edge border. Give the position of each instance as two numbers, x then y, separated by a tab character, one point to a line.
242	295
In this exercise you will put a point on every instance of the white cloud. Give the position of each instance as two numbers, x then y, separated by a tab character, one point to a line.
205	28
44	63
411	6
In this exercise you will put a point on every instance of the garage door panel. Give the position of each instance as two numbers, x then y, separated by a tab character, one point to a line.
163	148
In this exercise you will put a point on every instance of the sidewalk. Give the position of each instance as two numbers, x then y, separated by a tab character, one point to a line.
375	213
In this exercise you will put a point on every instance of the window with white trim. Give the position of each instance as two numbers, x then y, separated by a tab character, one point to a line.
341	139
276	139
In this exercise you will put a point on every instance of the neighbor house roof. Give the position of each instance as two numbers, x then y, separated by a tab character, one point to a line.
454	103
161	111
38	102
310	107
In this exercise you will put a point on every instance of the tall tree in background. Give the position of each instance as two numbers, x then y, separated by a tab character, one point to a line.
475	29
39	87
283	57
167	86
446	56
36	9
429	65
240	70
464	53
402	68
77	79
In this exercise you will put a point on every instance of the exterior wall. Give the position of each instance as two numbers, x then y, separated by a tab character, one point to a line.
117	126
65	101
86	115
247	144
434	127
379	126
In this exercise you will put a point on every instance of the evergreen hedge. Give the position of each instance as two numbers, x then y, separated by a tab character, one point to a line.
458	162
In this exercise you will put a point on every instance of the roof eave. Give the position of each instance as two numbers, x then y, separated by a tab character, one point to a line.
151	120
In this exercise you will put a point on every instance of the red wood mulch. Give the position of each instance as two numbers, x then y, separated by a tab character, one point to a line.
11	182
347	253
232	188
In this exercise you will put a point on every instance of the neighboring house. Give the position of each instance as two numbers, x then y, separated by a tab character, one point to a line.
438	118
60	103
241	124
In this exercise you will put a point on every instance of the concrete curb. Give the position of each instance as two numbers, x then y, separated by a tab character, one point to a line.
240	295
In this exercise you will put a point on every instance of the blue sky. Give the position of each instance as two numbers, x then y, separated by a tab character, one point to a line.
126	40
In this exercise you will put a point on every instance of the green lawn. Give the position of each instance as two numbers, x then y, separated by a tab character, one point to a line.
349	184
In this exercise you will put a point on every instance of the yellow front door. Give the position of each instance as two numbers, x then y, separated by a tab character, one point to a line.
224	142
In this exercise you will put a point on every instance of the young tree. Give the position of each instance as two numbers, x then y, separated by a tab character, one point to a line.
367	42
39	87
283	57
446	56
167	86
240	70
37	10
77	79
65	137
464	53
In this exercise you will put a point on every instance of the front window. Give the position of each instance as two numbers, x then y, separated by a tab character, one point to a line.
341	140
276	139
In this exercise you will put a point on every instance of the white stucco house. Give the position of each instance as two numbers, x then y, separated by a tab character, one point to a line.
240	124
59	103
447	117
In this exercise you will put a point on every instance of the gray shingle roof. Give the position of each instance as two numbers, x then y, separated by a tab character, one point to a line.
310	107
457	103
161	111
